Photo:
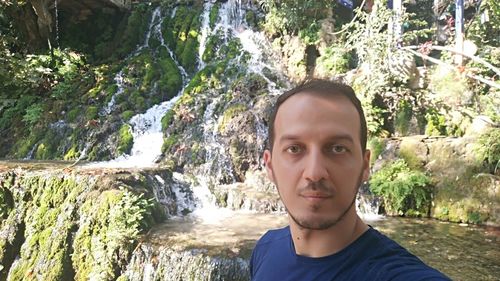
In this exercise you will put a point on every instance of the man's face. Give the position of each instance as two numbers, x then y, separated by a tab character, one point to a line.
317	162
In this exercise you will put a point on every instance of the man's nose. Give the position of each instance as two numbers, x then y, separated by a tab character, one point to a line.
315	166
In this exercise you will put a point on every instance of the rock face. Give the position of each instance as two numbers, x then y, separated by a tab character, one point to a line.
37	17
60	225
463	191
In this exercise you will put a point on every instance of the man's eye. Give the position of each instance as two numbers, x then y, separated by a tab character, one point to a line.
293	149
337	149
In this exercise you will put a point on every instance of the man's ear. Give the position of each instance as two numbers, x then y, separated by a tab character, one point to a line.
366	165
269	167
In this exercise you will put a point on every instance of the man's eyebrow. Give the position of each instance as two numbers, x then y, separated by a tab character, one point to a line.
288	137
342	137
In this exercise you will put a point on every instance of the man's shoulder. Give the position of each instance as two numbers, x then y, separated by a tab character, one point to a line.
274	235
390	261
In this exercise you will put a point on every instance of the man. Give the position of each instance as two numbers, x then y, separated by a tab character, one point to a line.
317	158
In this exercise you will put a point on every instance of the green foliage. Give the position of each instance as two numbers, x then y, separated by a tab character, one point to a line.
309	35
481	31
290	17
126	140
334	60
404	191
436	124
449	85
33	114
488	150
109	226
403	118
376	146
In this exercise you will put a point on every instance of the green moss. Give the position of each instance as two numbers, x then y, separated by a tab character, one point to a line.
189	56
169	142
167	119
110	224
135	31
91	113
137	101
171	80
408	151
184	28
213	43
229	114
214	15
72	154
48	228
73	114
126	140
126	115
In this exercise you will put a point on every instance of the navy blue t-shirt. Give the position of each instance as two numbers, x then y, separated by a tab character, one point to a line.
373	256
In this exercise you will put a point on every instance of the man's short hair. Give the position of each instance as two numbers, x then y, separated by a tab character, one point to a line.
322	88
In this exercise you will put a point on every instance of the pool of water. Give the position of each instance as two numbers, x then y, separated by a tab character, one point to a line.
462	252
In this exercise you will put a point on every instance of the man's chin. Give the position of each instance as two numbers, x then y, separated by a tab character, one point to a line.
314	223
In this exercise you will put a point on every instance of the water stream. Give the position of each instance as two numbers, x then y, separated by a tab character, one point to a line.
146	127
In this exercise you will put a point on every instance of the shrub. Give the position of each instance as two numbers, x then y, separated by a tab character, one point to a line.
404	191
33	114
488	149
334	60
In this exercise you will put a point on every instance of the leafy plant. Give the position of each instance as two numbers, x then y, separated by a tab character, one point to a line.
488	149
405	191
33	114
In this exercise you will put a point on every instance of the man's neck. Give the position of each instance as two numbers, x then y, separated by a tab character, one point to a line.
320	243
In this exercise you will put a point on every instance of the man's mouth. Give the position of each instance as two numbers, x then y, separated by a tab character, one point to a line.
315	196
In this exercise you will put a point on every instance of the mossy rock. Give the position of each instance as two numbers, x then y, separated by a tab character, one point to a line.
229	114
91	113
414	151
126	140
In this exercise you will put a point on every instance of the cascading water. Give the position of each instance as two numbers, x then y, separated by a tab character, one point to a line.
57	23
146	127
120	88
205	30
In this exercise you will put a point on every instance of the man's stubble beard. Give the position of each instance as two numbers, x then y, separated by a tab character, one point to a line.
327	223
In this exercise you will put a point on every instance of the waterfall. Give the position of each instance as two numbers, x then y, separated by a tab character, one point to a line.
367	204
146	127
205	30
57	23
120	88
